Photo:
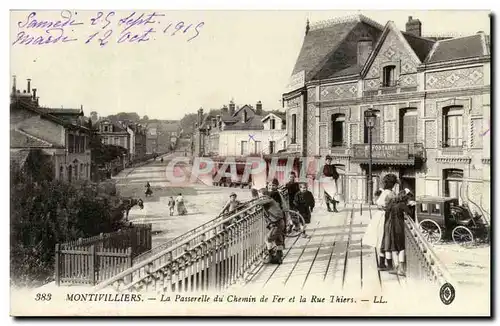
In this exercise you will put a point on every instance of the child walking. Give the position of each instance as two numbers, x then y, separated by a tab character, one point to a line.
304	202
171	205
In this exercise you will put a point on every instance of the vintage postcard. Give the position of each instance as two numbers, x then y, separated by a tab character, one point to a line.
250	163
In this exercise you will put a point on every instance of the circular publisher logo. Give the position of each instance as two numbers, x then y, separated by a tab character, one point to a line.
447	293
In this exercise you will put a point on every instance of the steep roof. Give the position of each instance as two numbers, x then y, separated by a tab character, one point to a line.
325	47
253	123
45	115
280	115
19	157
77	112
421	46
21	139
318	45
459	48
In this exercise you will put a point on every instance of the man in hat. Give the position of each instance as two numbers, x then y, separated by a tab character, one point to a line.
275	222
274	193
329	183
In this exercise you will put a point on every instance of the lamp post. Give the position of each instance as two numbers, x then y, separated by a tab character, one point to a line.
370	119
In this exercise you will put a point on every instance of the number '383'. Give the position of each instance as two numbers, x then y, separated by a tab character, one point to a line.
43	297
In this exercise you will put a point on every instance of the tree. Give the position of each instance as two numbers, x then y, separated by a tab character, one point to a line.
46	213
187	123
94	117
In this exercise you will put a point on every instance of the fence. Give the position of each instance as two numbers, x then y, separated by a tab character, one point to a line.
213	258
95	259
214	255
422	264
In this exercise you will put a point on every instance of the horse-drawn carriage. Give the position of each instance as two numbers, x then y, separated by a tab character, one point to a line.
442	218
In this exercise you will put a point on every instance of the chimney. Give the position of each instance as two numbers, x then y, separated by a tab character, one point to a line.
34	93
14	87
224	110
200	116
365	47
307	26
29	85
258	108
414	26
231	108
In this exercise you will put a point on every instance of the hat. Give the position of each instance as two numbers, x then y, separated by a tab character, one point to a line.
275	182
328	157
233	194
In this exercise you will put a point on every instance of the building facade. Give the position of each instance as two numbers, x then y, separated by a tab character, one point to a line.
56	132
114	133
431	99
240	132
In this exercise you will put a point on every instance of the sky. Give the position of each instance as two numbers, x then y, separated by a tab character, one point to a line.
247	56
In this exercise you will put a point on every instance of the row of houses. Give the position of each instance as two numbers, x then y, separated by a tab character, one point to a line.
431	98
239	132
61	135
126	134
162	137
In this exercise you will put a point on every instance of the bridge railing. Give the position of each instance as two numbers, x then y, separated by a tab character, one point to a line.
215	257
422	263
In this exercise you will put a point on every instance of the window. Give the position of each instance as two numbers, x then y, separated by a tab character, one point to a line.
453	183
338	121
258	147
244	147
70	170
430	208
408	126
272	124
375	130
117	141
389	76
452	127
284	144
294	129
272	145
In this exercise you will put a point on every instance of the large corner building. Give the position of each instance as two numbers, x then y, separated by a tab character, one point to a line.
431	98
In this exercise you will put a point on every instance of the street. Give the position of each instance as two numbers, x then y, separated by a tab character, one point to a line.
203	202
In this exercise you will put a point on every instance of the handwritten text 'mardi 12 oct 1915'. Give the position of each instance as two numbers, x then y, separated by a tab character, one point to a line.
104	27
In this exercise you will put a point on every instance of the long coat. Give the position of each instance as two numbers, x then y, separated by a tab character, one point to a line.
304	203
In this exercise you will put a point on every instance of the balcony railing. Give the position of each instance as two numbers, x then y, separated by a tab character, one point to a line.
403	152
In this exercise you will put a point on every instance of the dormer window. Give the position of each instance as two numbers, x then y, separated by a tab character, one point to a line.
272	124
244	117
389	76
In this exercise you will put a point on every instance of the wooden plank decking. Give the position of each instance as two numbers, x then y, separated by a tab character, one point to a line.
332	256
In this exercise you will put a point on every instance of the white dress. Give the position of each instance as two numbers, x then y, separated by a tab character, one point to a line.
329	185
375	231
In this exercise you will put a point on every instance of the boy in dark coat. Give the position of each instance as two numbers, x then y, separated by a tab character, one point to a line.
293	188
304	202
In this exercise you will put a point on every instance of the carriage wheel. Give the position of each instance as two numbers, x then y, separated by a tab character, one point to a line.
462	236
298	226
430	230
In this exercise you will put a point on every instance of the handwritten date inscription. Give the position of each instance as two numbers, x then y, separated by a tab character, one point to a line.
101	28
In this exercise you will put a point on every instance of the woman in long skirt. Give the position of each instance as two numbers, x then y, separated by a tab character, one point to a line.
394	235
374	234
181	207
